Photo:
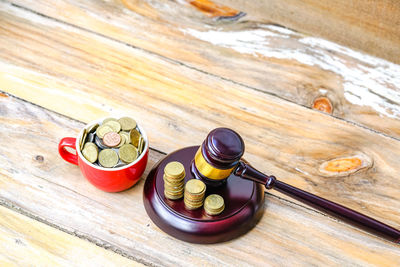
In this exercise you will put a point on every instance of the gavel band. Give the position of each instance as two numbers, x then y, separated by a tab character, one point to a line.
207	170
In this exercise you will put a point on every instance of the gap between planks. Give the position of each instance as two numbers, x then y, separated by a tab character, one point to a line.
356	124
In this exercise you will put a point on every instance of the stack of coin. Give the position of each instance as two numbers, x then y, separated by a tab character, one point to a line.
174	177
194	194
214	204
114	143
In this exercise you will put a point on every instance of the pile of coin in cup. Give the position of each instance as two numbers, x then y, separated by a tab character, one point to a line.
193	191
114	143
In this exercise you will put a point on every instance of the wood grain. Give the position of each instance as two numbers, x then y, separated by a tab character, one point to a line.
27	242
262	56
371	26
40	183
85	76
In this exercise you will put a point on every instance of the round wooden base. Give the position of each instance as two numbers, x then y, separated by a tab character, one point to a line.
244	201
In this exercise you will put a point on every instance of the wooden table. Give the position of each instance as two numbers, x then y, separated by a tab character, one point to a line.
181	71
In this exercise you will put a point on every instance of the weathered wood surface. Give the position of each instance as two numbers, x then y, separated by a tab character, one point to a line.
85	76
372	26
27	242
299	68
34	180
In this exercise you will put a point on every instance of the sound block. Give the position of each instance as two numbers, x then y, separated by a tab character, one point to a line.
244	202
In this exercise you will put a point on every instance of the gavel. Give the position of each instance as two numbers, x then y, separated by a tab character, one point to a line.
220	155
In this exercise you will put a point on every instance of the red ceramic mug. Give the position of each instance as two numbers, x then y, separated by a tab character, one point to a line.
106	179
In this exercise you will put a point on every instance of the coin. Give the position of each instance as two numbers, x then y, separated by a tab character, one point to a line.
128	153
214	204
127	123
99	143
175	186
134	136
108	158
190	206
194	194
172	197
115	126
92	128
109	119
127	138
174	179
90	152
195	187
83	139
111	139
141	145
102	130
90	137
173	182
123	140
174	169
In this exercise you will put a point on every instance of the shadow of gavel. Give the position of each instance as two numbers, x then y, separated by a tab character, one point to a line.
220	155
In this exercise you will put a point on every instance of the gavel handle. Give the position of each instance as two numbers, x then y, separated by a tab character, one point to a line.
346	214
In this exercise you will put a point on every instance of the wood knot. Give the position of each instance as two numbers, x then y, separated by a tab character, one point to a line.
345	165
216	11
39	158
323	104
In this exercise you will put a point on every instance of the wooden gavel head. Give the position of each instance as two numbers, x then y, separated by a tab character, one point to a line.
218	156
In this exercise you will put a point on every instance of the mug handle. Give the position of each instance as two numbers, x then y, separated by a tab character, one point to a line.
65	154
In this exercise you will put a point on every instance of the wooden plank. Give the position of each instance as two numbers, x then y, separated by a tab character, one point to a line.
371	26
296	67
34	180
26	242
85	76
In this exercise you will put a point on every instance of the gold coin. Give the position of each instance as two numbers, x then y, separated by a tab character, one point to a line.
134	136
173	182
190	206
174	193
198	198
172	197
212	212
127	138
83	139
127	153
109	119
195	187
174	188
214	203
194	201
127	123
102	130
115	126
123	140
90	152
108	158
92	128
140	145
174	169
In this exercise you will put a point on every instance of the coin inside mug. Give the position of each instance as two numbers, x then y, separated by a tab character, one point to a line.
122	140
